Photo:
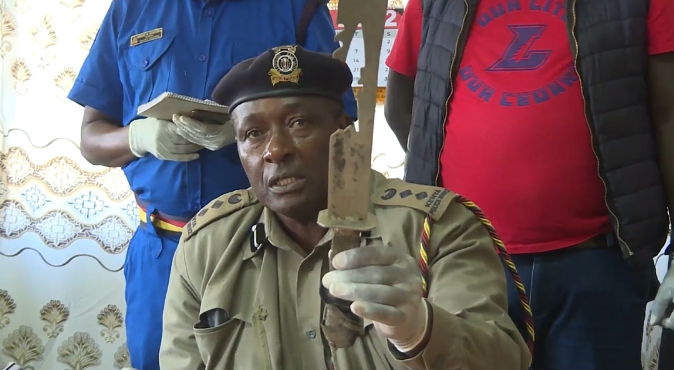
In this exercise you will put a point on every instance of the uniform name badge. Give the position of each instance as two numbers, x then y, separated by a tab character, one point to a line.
147	36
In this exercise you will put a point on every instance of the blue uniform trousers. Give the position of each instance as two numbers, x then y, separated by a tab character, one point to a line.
146	270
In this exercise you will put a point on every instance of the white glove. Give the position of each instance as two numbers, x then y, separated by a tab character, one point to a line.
663	300
161	139
212	136
385	287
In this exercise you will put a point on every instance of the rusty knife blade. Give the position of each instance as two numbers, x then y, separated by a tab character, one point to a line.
349	184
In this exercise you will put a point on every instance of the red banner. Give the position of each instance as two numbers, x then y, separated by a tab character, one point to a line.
392	19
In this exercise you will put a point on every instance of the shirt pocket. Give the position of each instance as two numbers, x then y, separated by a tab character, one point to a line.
149	66
232	344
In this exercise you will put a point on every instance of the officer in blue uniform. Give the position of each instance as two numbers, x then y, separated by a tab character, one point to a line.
143	49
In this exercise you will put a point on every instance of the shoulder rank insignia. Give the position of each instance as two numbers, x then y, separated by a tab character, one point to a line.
428	199
220	207
284	65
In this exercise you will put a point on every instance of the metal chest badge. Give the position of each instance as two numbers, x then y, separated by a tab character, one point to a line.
284	65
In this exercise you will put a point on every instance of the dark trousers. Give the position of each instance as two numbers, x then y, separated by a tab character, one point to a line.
146	270
588	306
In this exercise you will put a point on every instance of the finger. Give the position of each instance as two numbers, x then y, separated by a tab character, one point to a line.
210	117
373	293
365	256
669	322
657	313
180	130
212	146
185	136
382	275
176	119
183	157
181	137
197	130
190	137
380	313
208	123
180	146
662	301
189	123
186	149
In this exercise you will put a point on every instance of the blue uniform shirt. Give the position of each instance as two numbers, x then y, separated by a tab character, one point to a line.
200	42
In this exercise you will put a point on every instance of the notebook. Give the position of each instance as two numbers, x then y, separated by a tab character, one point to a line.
167	104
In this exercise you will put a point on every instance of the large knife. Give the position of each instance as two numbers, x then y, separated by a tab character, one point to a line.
350	162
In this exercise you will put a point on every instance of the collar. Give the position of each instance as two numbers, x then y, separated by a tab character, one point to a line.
274	236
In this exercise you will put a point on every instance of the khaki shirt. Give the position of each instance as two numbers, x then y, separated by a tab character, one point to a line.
271	294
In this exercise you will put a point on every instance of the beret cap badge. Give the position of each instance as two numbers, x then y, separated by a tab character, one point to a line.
284	65
276	73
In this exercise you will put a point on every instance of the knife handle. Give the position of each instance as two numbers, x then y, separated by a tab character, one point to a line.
340	326
343	240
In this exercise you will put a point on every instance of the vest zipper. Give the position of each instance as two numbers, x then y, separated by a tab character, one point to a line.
451	91
582	94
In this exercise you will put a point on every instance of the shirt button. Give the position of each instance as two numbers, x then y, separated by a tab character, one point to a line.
311	334
209	12
202	58
146	63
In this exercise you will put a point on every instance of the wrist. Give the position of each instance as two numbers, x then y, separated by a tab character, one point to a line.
420	330
136	140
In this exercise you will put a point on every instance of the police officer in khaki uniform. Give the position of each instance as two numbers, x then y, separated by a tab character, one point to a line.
244	286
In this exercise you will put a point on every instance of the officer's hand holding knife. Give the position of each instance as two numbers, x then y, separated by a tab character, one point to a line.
385	286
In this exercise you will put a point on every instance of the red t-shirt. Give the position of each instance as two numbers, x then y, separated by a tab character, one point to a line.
519	144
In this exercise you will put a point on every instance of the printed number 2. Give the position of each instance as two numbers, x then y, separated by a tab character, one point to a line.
391	16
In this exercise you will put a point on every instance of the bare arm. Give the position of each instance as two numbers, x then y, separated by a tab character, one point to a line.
104	142
398	105
661	84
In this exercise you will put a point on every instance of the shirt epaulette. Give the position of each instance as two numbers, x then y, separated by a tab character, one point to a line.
220	207
428	199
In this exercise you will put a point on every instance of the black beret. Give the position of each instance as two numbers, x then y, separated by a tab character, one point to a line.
284	71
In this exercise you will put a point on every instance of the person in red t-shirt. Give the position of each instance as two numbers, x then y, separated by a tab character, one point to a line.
517	97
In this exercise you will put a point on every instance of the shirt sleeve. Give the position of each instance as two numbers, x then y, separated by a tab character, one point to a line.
405	51
470	326
179	349
660	27
321	38
98	84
